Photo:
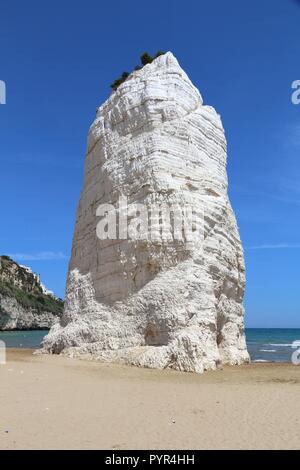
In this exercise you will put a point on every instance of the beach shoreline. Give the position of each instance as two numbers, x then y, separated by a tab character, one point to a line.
54	402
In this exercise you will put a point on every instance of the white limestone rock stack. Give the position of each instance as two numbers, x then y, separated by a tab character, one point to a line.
162	302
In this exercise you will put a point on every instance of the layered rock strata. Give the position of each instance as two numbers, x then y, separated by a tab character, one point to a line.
155	300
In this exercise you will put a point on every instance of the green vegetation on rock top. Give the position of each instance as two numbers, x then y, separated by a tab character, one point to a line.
145	59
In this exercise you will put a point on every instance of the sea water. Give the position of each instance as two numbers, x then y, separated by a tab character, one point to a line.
264	344
23	339
271	344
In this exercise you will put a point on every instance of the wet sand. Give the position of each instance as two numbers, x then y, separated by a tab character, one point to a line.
53	402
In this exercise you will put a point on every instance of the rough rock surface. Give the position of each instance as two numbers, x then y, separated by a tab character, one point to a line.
14	316
162	302
25	304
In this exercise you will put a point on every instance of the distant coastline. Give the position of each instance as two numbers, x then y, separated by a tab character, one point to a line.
264	344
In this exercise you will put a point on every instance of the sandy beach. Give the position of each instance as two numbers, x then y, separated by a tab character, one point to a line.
52	402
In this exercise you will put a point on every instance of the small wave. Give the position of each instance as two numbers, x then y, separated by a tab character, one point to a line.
284	345
260	360
268	350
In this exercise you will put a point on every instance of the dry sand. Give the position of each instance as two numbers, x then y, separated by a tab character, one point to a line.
52	402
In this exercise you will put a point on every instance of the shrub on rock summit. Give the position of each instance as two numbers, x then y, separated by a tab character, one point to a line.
145	59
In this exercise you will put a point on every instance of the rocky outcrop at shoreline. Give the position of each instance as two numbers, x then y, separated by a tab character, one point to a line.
25	304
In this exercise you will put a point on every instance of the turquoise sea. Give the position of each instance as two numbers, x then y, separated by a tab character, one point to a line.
271	344
23	339
264	344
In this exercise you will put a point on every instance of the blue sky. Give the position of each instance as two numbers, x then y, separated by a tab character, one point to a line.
58	59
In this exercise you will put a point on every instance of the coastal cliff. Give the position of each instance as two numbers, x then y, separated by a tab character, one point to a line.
25	303
156	300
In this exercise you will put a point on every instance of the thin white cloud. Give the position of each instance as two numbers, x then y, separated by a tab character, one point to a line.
42	256
277	246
